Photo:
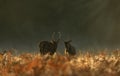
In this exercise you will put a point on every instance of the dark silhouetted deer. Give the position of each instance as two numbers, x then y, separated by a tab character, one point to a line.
69	49
49	46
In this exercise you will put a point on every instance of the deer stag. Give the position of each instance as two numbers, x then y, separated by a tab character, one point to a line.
69	49
49	46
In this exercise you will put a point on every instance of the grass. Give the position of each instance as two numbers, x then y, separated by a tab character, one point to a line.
83	64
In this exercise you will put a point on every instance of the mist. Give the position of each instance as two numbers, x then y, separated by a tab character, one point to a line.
88	23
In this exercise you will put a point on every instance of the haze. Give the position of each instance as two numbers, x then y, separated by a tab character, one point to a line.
89	23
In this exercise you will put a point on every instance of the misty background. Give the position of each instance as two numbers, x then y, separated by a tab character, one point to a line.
88	23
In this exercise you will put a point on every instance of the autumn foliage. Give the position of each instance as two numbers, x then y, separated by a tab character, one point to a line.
83	64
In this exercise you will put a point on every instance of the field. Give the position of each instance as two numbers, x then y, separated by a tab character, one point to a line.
83	64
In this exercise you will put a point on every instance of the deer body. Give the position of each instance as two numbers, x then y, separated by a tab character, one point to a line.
49	46
69	48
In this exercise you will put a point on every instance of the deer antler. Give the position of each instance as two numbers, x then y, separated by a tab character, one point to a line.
59	35
53	36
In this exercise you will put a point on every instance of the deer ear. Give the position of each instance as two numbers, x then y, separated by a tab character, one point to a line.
67	41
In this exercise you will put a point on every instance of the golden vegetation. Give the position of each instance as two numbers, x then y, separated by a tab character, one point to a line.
84	64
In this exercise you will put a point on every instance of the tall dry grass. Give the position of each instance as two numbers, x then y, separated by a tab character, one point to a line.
83	64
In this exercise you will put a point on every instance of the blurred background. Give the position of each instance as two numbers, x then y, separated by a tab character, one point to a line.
88	23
